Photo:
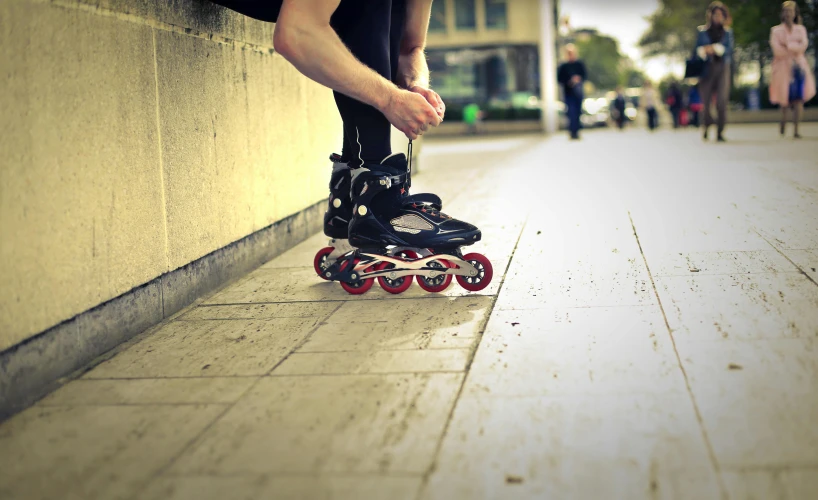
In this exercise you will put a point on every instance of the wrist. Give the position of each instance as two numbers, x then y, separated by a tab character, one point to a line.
387	98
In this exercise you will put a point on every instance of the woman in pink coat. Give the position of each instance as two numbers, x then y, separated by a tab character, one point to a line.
792	81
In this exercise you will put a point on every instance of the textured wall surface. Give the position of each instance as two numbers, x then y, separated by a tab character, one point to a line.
136	137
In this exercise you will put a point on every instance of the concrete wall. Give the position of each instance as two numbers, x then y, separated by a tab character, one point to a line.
523	26
137	136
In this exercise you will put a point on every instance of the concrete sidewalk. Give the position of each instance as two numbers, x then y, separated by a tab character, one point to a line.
650	333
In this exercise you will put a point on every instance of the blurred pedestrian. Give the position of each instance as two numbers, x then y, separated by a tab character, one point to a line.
792	82
714	44
694	104
618	108
571	75
675	102
649	103
471	117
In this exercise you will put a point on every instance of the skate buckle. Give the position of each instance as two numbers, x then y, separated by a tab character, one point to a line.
387	182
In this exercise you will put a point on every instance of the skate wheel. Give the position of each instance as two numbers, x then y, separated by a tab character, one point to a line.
397	285
359	287
484	273
320	261
438	283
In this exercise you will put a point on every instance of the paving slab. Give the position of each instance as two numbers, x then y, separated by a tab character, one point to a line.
596	446
424	323
757	399
151	391
790	483
342	424
596	350
806	261
762	306
209	348
94	452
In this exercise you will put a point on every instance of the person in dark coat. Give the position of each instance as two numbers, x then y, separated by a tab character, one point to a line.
675	102
571	75
618	109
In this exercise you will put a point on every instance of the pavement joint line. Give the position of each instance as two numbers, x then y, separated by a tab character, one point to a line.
109	405
181	377
325	301
711	453
361	374
373	473
306	338
697	275
244	319
433	465
771	468
140	489
388	350
786	257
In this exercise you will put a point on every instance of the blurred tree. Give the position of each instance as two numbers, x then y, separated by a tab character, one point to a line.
601	56
672	30
630	75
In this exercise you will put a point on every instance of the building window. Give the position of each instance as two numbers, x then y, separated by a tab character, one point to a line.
465	18
496	17
437	23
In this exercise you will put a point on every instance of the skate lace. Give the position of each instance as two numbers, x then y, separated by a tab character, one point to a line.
430	211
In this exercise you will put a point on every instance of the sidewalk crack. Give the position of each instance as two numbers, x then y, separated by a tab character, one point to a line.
711	453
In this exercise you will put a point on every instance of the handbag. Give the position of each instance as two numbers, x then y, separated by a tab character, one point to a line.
796	90
694	67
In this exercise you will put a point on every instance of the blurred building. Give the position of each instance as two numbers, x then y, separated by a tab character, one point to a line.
494	53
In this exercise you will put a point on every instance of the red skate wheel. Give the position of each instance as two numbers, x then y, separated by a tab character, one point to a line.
438	283
320	261
484	273
358	287
397	285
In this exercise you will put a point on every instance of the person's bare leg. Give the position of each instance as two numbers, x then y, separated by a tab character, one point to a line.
784	119
706	90
797	111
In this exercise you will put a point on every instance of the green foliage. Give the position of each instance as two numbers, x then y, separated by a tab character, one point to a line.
602	59
630	76
672	30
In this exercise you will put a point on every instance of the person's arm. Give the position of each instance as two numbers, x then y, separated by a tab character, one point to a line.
304	37
779	48
703	47
413	71
798	44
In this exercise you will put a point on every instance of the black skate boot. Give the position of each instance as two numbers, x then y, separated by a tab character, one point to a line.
400	235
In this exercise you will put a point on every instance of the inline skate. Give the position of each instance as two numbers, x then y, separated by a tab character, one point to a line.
396	236
339	214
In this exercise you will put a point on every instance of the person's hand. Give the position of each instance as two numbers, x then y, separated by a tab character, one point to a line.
432	98
576	79
410	113
708	49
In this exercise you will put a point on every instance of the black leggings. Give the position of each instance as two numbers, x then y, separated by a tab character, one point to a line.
372	31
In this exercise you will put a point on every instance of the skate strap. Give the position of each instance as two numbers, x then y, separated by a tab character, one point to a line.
424	199
397	180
